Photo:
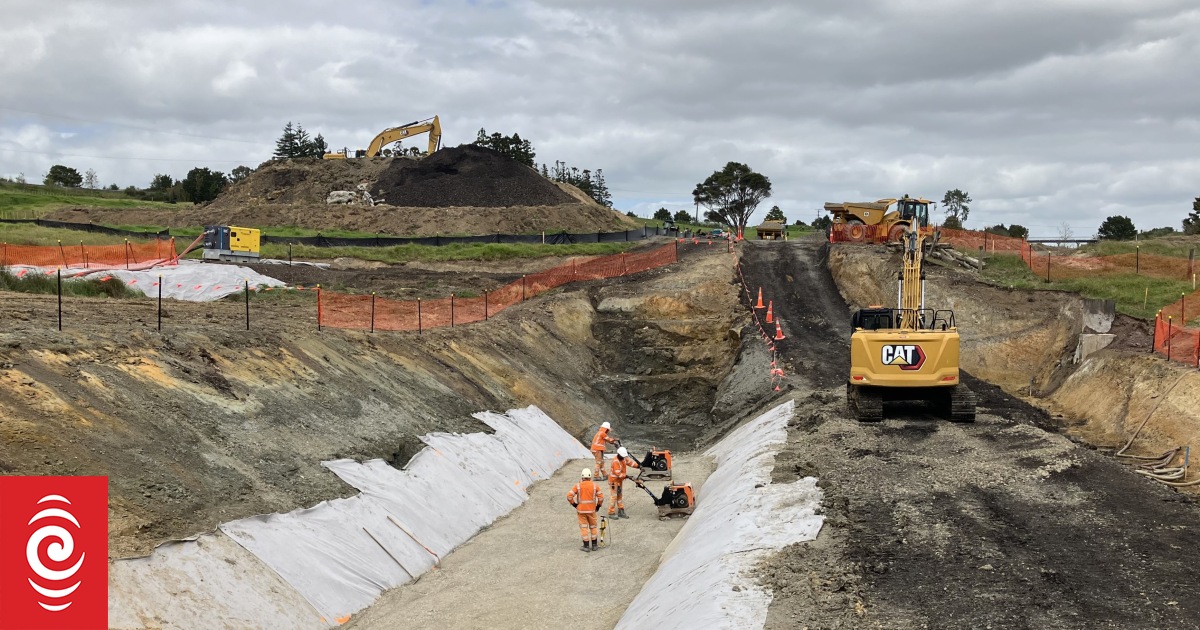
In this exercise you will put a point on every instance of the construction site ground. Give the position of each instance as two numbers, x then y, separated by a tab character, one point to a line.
1011	522
527	571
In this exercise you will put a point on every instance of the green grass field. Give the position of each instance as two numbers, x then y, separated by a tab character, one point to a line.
30	202
1137	296
28	234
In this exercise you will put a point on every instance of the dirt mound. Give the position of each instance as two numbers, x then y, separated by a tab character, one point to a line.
454	191
469	176
303	181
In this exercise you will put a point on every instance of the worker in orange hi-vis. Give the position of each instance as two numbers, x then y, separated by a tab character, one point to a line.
599	445
586	498
616	479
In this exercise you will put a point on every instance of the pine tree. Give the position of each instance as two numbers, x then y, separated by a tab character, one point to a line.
286	145
1191	225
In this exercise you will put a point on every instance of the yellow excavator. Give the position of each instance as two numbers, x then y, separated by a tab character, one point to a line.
395	134
909	352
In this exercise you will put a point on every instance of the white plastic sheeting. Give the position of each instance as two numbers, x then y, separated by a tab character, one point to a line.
340	555
208	582
739	517
314	568
190	280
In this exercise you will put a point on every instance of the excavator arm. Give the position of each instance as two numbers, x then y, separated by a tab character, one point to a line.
432	125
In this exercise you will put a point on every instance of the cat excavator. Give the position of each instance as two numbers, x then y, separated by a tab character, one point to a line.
909	352
395	134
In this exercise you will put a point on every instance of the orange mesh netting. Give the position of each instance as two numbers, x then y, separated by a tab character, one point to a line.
1176	342
87	256
339	310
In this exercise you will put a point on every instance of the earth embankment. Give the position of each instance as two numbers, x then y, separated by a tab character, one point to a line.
206	422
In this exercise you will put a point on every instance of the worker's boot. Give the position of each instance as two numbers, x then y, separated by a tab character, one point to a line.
586	547
621	513
594	547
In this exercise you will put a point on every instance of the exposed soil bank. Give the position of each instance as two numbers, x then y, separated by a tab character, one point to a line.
206	423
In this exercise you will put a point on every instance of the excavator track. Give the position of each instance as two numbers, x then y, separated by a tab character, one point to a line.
962	404
865	403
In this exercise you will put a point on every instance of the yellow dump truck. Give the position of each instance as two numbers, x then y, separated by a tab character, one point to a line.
877	221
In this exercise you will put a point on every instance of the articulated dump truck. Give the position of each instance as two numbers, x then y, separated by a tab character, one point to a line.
876	221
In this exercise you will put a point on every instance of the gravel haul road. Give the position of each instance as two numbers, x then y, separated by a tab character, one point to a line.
1003	523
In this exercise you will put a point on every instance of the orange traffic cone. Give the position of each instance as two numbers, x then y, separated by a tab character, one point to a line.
770	311
760	304
778	331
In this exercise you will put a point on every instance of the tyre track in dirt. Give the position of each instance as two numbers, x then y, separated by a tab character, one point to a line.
998	524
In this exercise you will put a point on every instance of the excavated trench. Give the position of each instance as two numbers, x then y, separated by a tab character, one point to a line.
203	424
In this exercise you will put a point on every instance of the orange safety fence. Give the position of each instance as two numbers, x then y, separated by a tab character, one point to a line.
1176	342
87	256
982	241
366	312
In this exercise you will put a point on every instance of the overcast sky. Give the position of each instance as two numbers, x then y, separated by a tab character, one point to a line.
1045	111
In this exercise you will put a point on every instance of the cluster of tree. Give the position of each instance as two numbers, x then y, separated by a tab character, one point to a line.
295	143
592	184
776	214
1117	228
680	216
200	185
1191	225
1014	230
732	194
956	205
512	146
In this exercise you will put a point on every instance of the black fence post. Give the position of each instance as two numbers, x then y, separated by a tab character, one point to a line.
372	311
522	288
418	316
1170	333
63	253
1047	266
247	305
452	310
485	306
126	254
60	300
160	302
318	308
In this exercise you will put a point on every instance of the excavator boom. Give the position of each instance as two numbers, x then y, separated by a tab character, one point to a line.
432	126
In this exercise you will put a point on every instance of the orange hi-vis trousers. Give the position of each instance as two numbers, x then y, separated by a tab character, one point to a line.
587	526
618	503
599	471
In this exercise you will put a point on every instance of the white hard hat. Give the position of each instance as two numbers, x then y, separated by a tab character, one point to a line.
605	425
622	452
586	474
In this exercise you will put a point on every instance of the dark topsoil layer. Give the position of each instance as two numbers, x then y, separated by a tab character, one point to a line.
468	176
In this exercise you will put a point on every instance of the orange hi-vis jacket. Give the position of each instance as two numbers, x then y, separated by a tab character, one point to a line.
586	497
598	442
620	466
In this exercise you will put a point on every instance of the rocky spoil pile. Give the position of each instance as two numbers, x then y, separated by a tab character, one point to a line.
303	181
466	176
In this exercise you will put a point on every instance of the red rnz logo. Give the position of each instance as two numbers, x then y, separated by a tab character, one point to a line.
54	552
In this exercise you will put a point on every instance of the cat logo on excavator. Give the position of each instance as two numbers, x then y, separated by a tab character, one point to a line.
906	357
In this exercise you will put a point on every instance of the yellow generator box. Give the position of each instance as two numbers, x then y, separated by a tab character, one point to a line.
243	239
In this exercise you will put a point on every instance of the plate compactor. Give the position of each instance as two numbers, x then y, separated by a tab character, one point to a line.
677	498
656	465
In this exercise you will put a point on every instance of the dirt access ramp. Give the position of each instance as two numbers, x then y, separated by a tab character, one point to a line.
1001	523
456	191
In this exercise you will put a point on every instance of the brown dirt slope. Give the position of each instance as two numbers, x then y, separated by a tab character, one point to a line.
207	422
461	190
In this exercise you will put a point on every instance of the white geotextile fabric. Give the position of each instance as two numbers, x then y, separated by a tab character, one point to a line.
340	555
209	582
734	525
190	280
